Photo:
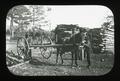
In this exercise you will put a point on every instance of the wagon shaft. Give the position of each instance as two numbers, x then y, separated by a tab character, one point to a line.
54	45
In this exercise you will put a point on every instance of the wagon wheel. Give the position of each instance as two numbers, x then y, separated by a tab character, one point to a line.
22	48
46	51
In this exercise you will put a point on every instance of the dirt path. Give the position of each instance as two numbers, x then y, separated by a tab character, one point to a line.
46	70
47	67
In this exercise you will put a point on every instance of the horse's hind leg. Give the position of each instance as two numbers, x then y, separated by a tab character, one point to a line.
76	57
57	55
72	58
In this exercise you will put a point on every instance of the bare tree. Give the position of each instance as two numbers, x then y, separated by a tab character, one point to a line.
17	15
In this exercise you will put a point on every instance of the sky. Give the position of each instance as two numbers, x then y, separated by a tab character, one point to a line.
82	15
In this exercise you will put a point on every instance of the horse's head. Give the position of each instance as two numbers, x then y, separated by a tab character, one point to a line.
85	37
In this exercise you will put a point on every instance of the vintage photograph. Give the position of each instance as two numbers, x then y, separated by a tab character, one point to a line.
59	40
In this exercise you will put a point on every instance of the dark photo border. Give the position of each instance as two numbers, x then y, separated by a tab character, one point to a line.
5	74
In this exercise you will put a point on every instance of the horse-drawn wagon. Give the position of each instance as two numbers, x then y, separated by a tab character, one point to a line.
68	38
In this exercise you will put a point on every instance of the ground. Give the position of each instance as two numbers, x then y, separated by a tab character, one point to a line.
100	65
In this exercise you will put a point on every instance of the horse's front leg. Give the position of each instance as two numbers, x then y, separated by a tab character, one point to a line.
61	58
72	58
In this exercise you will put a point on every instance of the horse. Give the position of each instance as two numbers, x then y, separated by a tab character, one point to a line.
75	39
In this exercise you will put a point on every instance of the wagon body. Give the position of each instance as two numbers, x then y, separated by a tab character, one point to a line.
64	32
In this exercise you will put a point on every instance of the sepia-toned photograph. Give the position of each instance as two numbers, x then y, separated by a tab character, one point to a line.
59	40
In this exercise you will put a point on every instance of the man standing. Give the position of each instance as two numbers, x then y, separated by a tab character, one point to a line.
87	50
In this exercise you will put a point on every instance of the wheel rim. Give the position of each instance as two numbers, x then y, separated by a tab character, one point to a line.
46	52
22	48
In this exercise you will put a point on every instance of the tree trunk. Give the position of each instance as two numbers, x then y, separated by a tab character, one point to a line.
11	28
